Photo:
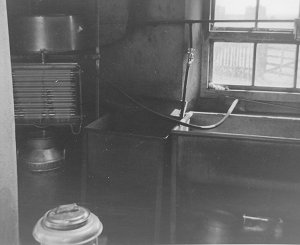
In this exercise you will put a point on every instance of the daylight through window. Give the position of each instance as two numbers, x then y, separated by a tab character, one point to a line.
250	53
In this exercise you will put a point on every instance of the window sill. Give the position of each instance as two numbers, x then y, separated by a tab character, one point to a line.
253	95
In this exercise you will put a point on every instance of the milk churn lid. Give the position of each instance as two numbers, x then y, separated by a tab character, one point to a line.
67	224
66	217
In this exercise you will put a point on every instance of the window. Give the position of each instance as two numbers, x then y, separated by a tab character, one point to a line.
250	49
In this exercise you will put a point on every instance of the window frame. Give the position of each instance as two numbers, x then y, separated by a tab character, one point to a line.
256	36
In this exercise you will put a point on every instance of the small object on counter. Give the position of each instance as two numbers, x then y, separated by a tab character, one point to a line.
270	229
68	225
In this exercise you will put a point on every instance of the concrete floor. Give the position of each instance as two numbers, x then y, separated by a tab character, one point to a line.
124	210
127	211
39	192
214	213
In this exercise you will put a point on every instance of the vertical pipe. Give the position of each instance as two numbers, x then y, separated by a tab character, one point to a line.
211	61
256	13
254	64
296	66
212	10
191	36
97	3
183	100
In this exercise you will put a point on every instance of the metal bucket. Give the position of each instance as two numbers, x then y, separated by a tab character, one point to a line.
55	33
68	225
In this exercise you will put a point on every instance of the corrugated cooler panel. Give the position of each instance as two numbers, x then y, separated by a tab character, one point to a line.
47	94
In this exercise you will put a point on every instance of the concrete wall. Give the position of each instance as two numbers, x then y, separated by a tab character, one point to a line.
149	60
8	165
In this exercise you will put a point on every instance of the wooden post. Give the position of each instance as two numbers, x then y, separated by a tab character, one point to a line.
9	225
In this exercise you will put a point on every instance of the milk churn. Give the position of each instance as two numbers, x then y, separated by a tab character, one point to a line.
68	225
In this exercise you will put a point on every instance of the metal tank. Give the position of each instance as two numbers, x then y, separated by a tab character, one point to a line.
52	33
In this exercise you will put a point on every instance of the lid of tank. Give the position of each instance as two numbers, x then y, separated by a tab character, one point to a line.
66	217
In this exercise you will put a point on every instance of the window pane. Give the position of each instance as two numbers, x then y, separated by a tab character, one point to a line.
232	63
278	9
235	10
275	65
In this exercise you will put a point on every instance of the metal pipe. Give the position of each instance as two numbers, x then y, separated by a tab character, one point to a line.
256	13
296	66
188	65
97	60
183	102
191	35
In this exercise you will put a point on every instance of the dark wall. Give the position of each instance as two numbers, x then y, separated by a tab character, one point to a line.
148	60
